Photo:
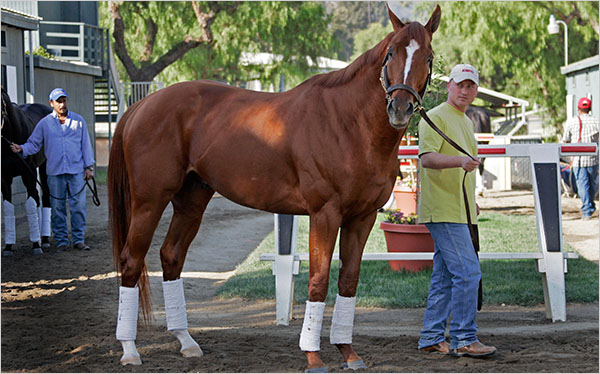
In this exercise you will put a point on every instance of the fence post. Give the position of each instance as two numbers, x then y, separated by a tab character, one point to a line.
284	266
545	166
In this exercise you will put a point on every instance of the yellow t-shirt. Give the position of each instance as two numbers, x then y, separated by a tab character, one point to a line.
441	198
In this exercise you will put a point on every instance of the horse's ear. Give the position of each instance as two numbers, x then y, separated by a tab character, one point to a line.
434	21
395	20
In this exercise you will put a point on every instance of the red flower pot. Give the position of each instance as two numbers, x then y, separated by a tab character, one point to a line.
408	238
406	199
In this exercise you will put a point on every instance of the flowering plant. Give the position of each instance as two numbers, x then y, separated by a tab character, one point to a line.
398	217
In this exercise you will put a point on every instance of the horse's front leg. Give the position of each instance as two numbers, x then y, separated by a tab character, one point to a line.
352	242
324	226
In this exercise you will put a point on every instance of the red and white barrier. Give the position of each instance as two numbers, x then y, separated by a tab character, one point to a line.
551	259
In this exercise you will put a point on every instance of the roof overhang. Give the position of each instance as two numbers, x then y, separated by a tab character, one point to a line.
19	20
581	65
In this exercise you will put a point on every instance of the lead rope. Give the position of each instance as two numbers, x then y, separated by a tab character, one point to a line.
93	189
473	229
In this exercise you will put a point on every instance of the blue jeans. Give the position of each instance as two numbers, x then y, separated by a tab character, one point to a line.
61	186
587	185
453	288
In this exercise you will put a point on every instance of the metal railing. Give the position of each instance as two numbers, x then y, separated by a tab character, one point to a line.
135	91
76	41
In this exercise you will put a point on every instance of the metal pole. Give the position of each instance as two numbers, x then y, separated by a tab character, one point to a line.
109	75
31	68
566	42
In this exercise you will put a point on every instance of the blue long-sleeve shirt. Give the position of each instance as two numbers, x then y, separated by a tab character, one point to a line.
67	151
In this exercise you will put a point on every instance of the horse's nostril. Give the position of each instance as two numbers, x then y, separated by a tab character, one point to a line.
410	108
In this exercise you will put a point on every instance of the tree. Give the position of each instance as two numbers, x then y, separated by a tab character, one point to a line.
204	40
351	17
510	45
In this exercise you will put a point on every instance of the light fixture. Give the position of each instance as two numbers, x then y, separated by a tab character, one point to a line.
553	29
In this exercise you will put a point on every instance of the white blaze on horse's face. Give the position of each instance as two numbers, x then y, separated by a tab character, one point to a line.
410	51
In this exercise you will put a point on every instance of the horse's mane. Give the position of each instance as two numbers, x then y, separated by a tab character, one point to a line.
411	30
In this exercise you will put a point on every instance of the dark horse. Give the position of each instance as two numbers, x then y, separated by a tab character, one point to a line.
327	148
18	123
481	124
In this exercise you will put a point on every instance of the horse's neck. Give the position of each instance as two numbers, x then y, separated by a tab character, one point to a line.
368	98
19	126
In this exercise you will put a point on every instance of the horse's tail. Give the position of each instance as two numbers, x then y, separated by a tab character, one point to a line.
119	199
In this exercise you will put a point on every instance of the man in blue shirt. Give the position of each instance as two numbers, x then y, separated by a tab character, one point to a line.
70	161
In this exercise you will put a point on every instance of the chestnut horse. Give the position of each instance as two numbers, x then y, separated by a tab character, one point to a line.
327	148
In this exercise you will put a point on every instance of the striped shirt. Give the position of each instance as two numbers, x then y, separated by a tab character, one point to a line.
589	134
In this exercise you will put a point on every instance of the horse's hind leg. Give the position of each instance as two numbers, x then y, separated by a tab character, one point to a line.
8	209
31	208
189	205
353	237
144	219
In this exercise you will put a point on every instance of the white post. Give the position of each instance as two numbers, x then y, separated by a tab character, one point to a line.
284	267
545	168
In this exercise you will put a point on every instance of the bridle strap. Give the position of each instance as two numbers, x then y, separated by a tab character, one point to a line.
400	86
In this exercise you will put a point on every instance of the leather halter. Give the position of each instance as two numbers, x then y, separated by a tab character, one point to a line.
385	83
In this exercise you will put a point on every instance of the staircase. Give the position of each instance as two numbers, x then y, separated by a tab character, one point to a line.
106	108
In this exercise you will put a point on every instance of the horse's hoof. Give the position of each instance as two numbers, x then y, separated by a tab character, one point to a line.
192	352
131	360
45	242
354	365
322	369
37	251
7	253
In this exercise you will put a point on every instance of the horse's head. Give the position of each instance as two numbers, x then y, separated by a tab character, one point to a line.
406	67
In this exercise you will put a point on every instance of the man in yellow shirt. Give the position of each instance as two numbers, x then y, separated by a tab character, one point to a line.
456	271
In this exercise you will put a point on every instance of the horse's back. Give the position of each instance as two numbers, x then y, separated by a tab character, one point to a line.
234	139
35	112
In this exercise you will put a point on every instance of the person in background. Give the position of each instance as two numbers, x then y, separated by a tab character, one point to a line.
584	129
456	272
70	161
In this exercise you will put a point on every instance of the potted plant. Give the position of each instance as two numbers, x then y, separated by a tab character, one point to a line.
404	234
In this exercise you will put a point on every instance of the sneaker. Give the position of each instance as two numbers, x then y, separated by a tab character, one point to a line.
36	249
81	247
7	251
441	347
62	248
474	350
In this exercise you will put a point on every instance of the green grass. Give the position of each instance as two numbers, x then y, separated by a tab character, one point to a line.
511	282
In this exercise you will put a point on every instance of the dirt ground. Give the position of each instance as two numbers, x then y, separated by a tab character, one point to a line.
59	312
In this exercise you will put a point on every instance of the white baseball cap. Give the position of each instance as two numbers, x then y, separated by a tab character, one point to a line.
464	71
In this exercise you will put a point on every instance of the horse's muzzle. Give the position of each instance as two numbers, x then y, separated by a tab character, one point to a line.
399	112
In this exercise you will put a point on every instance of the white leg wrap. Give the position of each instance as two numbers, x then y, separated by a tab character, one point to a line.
310	338
33	220
127	324
175	305
10	234
45	221
177	317
128	313
343	320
